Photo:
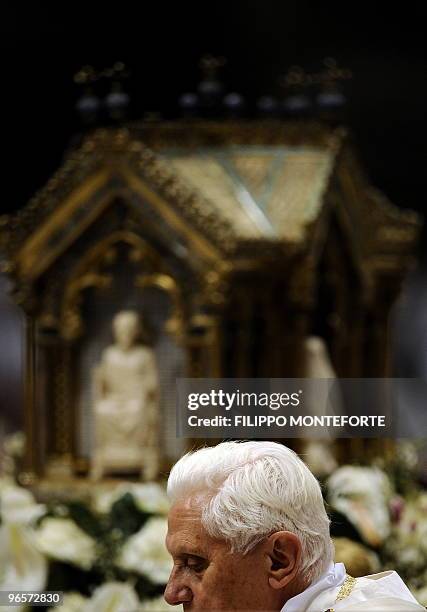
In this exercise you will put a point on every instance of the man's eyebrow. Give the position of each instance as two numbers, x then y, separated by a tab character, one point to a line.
186	551
192	555
183	551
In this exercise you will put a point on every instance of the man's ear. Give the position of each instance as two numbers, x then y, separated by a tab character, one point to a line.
284	553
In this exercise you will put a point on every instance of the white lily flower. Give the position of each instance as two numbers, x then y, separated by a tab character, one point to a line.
18	505
22	566
149	497
146	553
103	498
362	494
62	539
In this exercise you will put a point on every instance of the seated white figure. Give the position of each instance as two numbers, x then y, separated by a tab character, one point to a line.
126	404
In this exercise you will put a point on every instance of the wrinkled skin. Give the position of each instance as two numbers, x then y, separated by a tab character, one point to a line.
207	576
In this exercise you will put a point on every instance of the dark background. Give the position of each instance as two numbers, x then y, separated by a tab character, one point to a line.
43	44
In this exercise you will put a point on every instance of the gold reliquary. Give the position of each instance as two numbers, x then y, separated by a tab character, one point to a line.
231	242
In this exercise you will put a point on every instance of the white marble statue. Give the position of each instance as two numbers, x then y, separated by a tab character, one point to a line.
318	454
126	404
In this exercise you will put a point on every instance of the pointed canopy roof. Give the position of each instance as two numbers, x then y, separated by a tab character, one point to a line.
228	189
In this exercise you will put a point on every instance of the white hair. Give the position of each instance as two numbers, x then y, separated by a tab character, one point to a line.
255	489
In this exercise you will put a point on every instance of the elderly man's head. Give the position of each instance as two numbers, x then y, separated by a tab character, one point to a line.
247	528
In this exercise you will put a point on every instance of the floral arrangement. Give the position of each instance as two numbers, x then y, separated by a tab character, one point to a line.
406	548
387	505
105	554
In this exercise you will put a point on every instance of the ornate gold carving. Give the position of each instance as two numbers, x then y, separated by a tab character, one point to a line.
177	134
28	258
88	274
71	322
209	225
216	285
207	249
110	149
175	324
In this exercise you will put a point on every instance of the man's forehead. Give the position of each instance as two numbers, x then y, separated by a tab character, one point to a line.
185	527
185	514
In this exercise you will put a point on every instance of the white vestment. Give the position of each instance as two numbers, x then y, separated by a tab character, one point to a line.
384	592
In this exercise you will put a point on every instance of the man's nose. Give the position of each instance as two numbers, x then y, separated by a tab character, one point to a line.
177	593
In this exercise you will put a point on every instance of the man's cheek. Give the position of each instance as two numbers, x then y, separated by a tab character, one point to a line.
218	593
205	595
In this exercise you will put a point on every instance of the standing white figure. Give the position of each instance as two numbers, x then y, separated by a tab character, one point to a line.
318	454
126	404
